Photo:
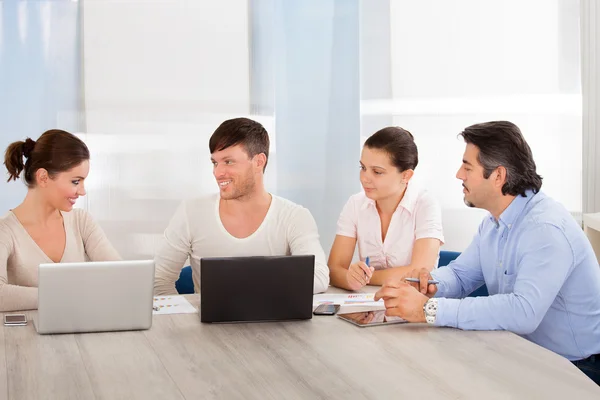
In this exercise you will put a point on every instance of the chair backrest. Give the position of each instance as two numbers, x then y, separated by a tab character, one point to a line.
446	257
185	283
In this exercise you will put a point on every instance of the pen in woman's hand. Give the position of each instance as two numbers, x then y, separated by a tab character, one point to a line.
367	262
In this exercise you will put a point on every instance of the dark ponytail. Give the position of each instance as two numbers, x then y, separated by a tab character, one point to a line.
56	151
13	157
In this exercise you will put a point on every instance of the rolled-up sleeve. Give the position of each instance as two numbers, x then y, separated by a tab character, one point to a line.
346	224
428	219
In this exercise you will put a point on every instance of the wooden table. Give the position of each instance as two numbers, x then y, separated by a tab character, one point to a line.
322	358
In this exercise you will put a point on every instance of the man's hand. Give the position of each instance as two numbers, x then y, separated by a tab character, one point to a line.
422	286
402	300
359	275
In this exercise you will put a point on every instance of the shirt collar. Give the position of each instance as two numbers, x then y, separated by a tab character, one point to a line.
514	209
408	202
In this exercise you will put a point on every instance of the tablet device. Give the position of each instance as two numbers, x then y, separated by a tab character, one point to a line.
371	318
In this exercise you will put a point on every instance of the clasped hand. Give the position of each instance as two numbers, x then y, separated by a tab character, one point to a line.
406	299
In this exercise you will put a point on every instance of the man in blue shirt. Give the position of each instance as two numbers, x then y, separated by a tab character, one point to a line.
539	267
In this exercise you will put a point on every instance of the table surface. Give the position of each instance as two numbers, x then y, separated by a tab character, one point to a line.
322	358
592	221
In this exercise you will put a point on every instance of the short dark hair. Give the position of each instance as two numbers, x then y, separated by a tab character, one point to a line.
399	144
56	151
501	143
249	133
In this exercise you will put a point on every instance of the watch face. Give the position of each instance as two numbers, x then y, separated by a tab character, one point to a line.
430	311
431	307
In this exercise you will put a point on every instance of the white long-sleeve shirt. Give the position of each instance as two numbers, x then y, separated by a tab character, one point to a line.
196	231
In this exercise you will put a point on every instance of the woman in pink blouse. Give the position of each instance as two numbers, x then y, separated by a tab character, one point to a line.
397	225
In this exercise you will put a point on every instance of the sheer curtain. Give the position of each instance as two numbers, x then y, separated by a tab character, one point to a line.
166	73
40	65
454	64
160	76
322	75
306	72
590	67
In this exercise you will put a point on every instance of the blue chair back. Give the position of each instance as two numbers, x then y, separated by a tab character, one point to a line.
446	257
185	283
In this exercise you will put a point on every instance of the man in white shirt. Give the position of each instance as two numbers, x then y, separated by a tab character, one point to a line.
243	219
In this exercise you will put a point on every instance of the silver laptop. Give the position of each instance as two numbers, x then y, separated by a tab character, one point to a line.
95	296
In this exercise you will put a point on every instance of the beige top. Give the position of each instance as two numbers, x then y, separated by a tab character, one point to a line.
196	231
20	256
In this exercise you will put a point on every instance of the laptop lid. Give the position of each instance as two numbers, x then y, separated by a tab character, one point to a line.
248	289
95	296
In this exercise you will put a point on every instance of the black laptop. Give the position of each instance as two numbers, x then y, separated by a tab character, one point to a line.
253	289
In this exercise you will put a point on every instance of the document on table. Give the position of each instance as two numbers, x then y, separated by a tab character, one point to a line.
172	305
348	300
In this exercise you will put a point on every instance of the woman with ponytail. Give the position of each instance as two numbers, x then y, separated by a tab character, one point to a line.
45	228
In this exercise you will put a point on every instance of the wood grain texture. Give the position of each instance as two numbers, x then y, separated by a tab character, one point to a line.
408	360
123	365
44	367
322	358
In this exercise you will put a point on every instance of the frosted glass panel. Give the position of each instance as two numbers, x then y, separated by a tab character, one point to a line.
160	76
454	64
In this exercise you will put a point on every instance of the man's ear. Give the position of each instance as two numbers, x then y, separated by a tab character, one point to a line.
500	179
260	160
42	177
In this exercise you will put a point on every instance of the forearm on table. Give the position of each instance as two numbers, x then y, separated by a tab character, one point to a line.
338	276
18	298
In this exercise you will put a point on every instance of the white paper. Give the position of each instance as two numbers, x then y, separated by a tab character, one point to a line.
172	305
348	300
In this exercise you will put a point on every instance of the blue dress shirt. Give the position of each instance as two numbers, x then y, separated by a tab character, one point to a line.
541	273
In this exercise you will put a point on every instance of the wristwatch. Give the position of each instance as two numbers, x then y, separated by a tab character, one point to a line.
430	310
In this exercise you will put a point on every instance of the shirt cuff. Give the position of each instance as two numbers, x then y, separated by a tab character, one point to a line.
447	312
346	234
431	235
438	274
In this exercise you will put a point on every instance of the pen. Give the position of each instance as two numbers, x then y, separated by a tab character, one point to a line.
417	280
367	262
